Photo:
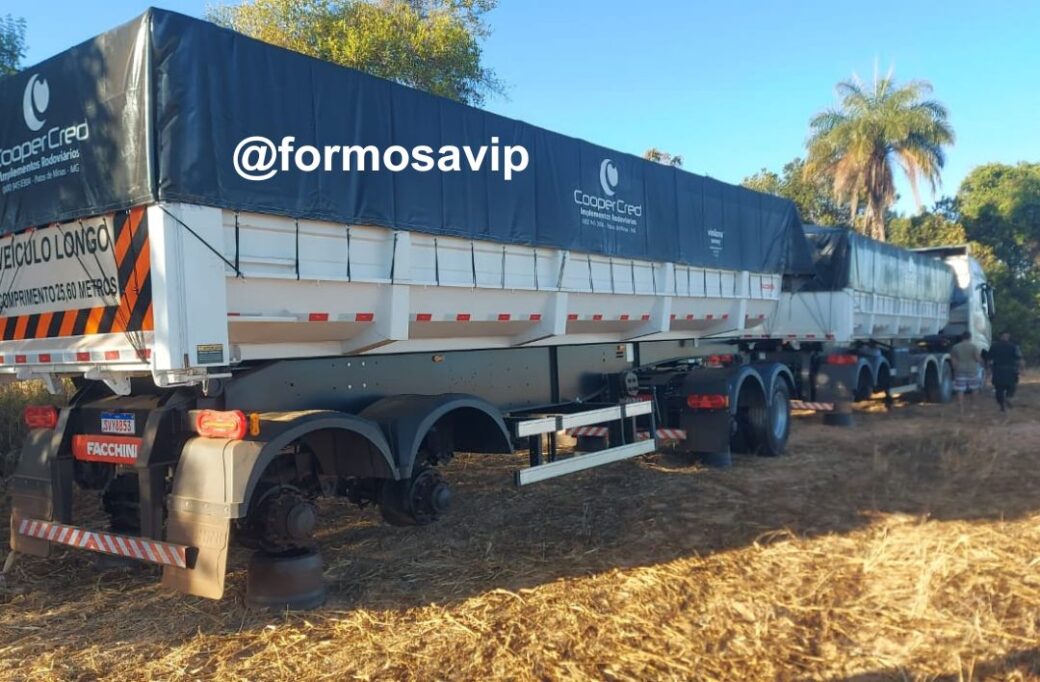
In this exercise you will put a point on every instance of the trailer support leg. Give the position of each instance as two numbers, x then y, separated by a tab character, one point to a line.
534	448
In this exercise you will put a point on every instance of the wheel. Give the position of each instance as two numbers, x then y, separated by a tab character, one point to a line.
416	501
864	386
771	423
938	386
291	581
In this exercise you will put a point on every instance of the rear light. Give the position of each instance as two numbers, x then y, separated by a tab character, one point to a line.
842	359
40	416
707	401
719	360
221	424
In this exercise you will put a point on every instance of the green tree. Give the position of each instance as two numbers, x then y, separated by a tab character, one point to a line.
433	45
810	193
999	206
657	156
938	227
12	44
873	128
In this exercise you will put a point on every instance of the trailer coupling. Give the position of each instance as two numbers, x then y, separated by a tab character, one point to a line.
130	547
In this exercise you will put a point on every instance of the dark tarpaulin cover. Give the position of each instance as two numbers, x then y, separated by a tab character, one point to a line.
207	88
846	259
73	132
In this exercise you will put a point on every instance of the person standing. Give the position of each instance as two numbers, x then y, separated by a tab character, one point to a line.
1005	362
967	368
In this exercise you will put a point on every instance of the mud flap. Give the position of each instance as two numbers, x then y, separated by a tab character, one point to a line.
208	492
32	490
209	537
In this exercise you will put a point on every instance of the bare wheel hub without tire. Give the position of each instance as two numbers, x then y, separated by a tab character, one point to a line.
282	520
417	501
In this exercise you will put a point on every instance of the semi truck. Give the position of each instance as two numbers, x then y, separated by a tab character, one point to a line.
249	325
876	318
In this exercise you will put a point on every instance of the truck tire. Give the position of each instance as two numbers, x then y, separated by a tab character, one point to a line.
938	386
772	422
864	385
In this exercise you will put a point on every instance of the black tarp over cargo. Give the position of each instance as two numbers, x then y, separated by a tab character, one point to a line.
158	106
845	259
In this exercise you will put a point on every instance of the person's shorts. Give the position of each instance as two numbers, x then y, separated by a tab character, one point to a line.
966	383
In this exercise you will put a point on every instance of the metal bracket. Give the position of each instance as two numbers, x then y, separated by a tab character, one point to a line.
119	382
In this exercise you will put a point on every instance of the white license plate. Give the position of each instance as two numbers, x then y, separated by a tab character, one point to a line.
118	422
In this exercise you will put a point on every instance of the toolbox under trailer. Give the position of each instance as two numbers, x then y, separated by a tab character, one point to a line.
240	348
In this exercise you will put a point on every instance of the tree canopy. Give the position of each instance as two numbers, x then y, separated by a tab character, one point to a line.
656	155
12	44
433	45
810	193
874	127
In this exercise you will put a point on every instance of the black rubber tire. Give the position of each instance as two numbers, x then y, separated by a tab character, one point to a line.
864	386
771	423
939	385
292	581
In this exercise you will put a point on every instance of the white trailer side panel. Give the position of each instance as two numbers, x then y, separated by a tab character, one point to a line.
848	315
229	288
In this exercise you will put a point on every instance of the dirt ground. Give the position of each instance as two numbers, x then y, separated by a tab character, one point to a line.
907	547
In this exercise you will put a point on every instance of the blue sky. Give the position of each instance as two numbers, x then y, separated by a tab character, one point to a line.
728	85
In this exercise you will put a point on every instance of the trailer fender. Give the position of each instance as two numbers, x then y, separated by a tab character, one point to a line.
772	373
201	487
215	479
459	421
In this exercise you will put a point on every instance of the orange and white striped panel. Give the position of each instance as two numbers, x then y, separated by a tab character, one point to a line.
134	311
664	434
588	432
142	549
805	405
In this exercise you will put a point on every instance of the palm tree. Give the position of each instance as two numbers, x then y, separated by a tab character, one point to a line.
873	128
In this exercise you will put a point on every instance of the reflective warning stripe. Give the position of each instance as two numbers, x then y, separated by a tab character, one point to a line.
588	431
602	431
664	434
134	311
143	549
804	405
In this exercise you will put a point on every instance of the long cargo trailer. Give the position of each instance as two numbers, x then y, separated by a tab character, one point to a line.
876	318
242	345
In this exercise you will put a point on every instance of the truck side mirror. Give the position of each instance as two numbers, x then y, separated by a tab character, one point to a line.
991	308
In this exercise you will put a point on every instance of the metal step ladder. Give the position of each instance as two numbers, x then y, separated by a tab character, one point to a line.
621	423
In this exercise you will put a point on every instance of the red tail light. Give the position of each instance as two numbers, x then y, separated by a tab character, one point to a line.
707	401
719	360
842	359
221	424
40	416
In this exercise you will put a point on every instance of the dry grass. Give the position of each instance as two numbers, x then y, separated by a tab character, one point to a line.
905	548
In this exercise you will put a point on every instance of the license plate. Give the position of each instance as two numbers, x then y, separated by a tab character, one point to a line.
107	449
121	423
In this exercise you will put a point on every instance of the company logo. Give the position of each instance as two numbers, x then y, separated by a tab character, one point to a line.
608	177
107	449
715	237
606	210
34	102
